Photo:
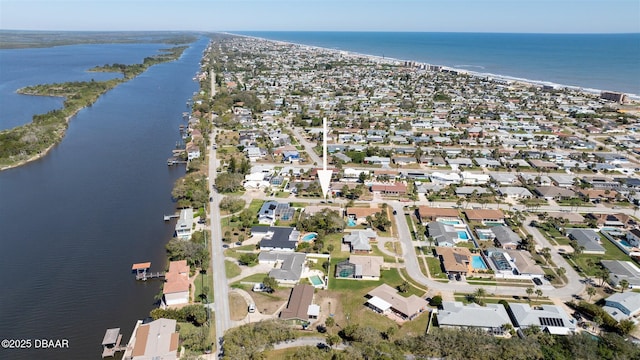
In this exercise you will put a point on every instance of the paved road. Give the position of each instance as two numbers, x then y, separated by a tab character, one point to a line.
308	146
574	286
220	285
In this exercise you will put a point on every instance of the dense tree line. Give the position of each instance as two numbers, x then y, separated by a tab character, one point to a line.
325	222
247	342
195	251
194	314
365	342
191	190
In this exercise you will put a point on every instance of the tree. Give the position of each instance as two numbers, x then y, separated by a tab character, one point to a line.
604	276
330	321
624	284
332	339
479	294
539	293
248	259
561	271
404	287
626	326
591	291
391	330
529	292
270	283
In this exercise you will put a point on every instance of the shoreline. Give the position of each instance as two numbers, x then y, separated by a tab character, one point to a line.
118	81
48	149
593	91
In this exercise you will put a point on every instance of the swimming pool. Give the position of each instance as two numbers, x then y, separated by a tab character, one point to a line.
316	280
309	237
351	222
477	263
463	235
449	222
625	243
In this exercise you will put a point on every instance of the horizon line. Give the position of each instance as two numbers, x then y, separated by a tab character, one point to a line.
336	31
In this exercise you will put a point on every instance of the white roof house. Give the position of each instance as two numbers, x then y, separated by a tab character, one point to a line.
445	178
623	305
489	318
550	318
474	179
184	224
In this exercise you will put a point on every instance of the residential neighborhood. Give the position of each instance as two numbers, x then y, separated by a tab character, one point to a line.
455	201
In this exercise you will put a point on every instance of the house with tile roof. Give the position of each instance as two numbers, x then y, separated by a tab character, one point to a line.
176	287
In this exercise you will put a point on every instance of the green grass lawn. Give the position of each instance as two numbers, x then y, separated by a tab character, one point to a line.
435	269
232	269
376	251
207	281
612	252
255	278
255	205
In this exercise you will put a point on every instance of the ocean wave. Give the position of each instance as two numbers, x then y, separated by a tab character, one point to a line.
469	66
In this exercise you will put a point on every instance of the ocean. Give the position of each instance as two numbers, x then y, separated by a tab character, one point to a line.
593	62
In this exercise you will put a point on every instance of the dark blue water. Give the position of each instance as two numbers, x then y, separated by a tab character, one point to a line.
75	221
591	61
25	67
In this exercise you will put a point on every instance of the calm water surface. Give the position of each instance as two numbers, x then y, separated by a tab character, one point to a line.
75	221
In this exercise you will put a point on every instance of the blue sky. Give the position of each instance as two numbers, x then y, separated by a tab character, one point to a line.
537	16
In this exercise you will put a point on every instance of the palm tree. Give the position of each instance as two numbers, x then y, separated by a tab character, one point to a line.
624	284
479	294
529	293
591	291
604	276
539	293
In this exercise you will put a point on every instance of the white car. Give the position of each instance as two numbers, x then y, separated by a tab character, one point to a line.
252	308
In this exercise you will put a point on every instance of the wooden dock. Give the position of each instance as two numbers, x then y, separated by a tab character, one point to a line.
111	343
169	217
149	275
143	273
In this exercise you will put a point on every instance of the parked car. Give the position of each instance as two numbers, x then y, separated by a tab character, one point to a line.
252	308
537	281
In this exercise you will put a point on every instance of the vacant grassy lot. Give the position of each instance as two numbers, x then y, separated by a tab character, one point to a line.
232	269
238	307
